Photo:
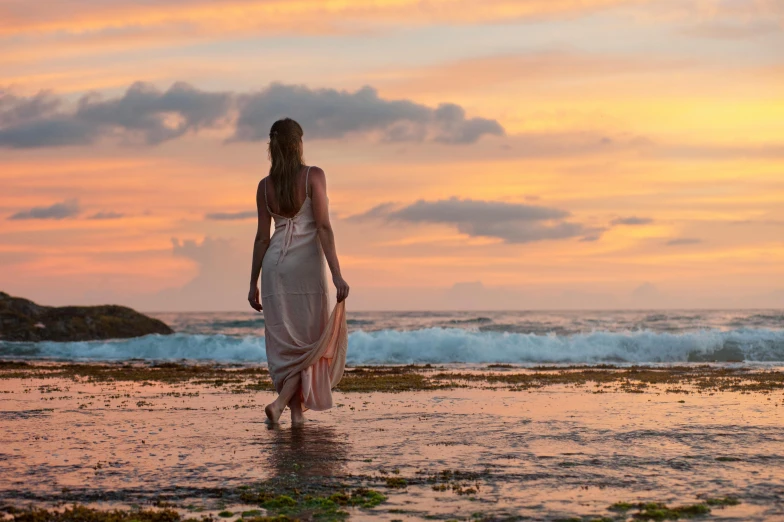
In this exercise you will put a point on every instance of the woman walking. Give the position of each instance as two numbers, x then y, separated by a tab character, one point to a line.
305	343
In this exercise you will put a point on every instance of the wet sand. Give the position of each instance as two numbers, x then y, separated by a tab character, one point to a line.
403	443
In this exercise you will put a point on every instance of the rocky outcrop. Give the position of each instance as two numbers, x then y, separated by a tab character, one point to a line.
24	320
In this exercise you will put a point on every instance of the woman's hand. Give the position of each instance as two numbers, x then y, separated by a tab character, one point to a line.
341	286
253	298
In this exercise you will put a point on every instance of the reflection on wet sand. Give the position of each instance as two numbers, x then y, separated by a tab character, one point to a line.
312	450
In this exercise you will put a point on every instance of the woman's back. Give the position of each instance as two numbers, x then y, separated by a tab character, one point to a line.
301	191
296	240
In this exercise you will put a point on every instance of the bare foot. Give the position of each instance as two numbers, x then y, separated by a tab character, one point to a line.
273	414
297	419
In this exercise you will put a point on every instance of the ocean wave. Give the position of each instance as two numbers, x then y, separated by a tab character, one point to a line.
238	323
769	317
452	345
759	320
441	345
150	347
472	320
359	322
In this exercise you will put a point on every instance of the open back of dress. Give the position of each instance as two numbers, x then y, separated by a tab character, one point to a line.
301	334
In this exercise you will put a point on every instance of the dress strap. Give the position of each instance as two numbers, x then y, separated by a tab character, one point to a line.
265	196
306	181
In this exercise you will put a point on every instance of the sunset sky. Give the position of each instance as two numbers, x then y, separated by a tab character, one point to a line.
528	154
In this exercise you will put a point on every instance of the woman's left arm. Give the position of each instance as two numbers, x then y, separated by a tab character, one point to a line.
260	245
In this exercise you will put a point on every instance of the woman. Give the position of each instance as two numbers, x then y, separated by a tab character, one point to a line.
306	345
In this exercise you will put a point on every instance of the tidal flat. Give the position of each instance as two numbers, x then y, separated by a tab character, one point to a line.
175	441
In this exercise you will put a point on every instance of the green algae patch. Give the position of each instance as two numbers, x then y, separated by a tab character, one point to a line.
366	498
660	511
323	503
723	501
655	511
621	506
255	497
461	483
396	483
85	514
323	508
389	379
279	502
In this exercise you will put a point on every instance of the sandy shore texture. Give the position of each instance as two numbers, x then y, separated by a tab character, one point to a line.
169	442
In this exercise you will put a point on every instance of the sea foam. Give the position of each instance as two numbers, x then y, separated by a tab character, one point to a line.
441	345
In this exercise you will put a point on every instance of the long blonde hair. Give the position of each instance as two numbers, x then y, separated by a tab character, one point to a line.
285	154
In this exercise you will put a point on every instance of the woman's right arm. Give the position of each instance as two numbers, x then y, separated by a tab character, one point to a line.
318	188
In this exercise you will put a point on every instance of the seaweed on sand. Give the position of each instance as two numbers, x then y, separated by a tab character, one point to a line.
635	379
327	505
660	511
86	514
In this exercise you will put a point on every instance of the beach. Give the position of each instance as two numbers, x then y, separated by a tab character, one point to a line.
543	238
464	442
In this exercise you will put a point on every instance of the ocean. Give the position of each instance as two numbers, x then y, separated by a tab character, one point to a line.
514	337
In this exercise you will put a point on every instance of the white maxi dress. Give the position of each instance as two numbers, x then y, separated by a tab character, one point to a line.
302	336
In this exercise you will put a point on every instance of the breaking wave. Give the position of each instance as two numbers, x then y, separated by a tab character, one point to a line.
437	345
441	345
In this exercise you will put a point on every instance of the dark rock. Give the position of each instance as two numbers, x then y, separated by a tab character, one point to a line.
24	320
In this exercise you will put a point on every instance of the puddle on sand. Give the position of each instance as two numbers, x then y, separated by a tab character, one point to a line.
544	453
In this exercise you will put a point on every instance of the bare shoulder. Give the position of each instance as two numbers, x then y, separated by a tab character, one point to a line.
261	185
317	178
261	189
317	173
